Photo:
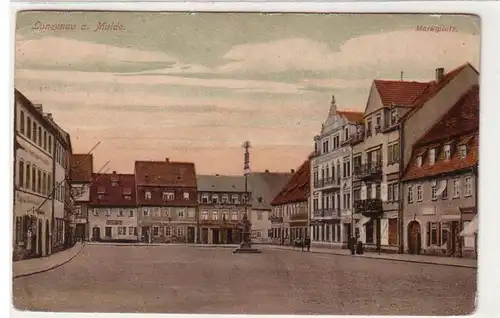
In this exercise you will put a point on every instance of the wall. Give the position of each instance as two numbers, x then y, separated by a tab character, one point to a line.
262	225
102	221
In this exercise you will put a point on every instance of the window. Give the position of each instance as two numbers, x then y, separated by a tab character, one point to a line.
131	230
347	169
215	199
378	123
393	192
95	212
235	199
225	215
420	194
186	195
33	178
419	161
234	216
147	195
215	215
225	199
447	152
45	139
21	174
33	135
468	186
49	183
368	128
204	215
120	230
50	144
463	151
432	156
444	195
168	231
22	124
180	231
410	194
156	230
28	129
259	215
434	192
456	188
145	212
432	234
325	146
180	213
168	196
131	213
204	198
346	133
336	142
27	181
157	212
393	153
394	117
108	212
40	136
120	213
44	183
191	212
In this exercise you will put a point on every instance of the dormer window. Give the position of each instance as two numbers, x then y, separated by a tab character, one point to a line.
394	117
101	190
147	195
215	199
463	151
447	152
204	198
186	195
168	196
378	125
225	199
114	183
419	161
127	191
235	199
432	156
259	199
368	128
346	133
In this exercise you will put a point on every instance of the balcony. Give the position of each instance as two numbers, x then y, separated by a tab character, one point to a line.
369	207
299	216
327	183
276	219
326	213
368	171
356	138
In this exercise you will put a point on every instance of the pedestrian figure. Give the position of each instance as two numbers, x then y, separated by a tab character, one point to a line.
28	241
302	244
352	245
307	242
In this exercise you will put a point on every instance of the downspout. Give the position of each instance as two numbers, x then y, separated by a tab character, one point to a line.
401	188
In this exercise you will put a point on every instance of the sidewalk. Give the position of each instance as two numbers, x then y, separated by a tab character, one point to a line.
43	264
422	259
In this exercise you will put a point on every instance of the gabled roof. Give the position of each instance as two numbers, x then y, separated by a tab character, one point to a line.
82	166
220	183
351	116
165	173
264	186
297	188
112	195
459	126
399	92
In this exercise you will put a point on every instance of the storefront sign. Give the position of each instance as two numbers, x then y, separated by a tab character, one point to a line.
32	200
80	221
27	148
113	222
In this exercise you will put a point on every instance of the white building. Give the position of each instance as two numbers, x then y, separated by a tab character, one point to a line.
331	183
38	158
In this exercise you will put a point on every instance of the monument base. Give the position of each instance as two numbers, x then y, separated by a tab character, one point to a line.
246	248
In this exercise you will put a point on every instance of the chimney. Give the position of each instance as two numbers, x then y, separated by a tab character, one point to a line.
114	172
267	171
167	159
216	174
292	171
39	108
439	74
49	116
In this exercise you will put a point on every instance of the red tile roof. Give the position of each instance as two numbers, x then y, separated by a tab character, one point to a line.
352	117
112	195
165	173
399	92
157	177
459	126
297	188
82	167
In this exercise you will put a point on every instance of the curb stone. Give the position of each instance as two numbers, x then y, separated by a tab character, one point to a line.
51	267
388	259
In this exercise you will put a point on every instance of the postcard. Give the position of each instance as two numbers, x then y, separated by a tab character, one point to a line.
245	163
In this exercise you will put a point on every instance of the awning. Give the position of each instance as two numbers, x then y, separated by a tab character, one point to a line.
471	228
363	221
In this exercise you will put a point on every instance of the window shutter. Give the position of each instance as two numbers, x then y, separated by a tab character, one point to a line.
428	233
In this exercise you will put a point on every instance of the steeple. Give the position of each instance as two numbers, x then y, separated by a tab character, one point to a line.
333	107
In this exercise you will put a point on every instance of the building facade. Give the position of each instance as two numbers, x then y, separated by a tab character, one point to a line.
440	184
222	204
291	207
82	166
112	211
331	178
167	201
264	186
40	189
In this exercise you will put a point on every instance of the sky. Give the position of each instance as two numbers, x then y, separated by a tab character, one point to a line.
194	86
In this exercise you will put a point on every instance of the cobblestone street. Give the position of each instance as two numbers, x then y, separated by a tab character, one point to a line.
181	279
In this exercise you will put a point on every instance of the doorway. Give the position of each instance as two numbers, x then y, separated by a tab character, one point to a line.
229	236
414	238
454	236
215	236
96	234
204	236
190	234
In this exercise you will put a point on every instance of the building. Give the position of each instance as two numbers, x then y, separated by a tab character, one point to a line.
40	187
264	186
440	183
112	210
167	200
290	208
331	183
223	202
82	166
378	149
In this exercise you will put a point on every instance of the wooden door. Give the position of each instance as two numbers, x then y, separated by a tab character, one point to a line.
96	233
414	237
393	232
